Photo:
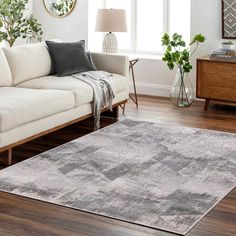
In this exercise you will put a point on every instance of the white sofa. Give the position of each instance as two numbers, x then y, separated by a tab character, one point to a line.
34	101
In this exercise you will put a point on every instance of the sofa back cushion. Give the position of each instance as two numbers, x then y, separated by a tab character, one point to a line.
5	72
28	61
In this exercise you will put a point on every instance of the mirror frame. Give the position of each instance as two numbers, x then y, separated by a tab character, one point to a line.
56	16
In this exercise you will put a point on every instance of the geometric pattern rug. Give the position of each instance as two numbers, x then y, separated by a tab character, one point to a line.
155	175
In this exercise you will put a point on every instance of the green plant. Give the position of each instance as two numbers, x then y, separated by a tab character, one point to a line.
177	54
63	7
13	23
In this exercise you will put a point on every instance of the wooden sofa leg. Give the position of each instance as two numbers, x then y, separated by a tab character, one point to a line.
9	162
116	112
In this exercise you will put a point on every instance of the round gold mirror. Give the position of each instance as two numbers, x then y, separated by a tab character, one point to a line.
59	8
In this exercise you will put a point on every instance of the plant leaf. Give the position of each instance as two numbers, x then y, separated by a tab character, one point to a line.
199	38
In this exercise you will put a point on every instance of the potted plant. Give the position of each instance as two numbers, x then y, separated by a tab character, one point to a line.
177	54
14	24
227	46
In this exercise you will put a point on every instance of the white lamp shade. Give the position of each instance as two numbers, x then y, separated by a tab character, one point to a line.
111	20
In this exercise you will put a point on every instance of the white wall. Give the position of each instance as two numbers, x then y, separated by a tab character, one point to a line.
30	7
152	75
206	19
73	27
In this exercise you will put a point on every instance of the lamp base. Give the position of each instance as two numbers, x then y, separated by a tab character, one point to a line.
110	43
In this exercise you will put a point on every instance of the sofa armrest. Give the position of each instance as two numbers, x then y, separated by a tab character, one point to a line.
112	63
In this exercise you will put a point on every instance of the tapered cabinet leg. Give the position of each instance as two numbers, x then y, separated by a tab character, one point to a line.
9	162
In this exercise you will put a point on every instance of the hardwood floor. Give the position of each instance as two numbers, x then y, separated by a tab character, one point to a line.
20	216
218	117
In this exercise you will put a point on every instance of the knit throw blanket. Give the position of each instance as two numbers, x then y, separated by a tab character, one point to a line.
103	91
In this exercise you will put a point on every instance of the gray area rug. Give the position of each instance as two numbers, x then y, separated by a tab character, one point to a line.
155	175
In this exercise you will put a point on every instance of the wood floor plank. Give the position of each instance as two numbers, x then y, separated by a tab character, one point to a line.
26	211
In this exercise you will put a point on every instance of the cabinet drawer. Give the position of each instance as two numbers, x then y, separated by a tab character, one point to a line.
216	80
218	68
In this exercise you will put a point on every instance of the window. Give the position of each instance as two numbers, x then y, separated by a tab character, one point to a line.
179	18
149	25
147	22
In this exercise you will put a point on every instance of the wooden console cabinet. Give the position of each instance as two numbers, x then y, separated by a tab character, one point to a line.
216	81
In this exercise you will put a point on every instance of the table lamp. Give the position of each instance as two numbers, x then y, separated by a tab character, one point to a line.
111	20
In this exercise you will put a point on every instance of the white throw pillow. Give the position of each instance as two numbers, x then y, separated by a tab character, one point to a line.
28	61
5	72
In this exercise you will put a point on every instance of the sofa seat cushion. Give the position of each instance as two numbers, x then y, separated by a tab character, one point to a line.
19	106
82	91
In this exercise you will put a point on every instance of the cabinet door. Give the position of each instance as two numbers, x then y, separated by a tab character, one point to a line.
216	80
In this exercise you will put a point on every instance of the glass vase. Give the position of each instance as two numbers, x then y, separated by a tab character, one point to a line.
182	91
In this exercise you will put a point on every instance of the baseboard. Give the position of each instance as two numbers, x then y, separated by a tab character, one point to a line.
151	89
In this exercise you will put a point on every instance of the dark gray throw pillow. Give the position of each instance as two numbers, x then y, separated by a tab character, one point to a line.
69	58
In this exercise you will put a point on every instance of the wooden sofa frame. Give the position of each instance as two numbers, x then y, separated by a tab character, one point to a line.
8	148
